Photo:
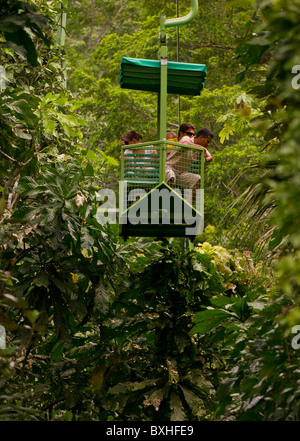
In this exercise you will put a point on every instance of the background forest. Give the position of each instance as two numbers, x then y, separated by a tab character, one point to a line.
99	329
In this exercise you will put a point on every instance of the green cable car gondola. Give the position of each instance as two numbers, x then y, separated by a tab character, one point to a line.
149	206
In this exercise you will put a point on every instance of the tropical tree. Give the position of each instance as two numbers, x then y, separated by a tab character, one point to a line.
260	385
105	330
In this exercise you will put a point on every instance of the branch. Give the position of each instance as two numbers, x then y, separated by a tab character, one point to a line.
16	171
173	125
230	190
110	21
92	22
9	157
20	164
12	198
212	45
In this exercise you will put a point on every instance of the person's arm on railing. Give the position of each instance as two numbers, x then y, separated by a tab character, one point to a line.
187	140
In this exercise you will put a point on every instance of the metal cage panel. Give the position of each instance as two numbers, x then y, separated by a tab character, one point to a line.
156	180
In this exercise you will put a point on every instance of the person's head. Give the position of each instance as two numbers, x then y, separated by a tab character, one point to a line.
131	137
186	129
171	135
203	137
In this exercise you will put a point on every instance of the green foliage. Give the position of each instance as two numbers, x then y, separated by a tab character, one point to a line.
19	21
101	329
103	352
263	393
94	72
279	120
248	333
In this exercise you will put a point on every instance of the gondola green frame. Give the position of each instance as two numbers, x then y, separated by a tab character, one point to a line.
161	76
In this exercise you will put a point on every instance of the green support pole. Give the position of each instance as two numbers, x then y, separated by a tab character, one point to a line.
163	96
180	21
162	101
61	37
158	116
163	79
202	159
164	23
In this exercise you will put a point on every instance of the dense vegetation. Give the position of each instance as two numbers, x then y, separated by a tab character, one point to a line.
100	329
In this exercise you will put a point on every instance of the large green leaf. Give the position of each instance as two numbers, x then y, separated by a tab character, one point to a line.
207	320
